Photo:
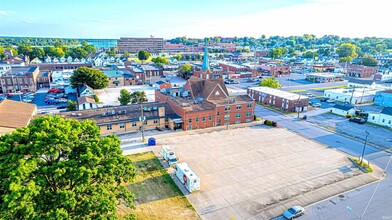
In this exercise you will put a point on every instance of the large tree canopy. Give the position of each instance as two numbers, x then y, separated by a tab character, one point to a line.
185	71
270	82
369	61
58	168
347	50
92	77
143	55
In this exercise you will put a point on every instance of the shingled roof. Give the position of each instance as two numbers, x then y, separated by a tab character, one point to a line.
204	87
15	114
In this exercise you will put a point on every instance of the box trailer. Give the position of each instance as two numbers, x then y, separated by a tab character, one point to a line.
169	155
187	177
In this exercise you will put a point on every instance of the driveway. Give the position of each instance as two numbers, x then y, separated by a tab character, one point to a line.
379	136
257	172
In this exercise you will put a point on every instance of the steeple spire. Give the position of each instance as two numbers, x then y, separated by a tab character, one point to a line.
206	63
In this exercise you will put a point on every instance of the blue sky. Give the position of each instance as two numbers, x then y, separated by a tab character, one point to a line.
193	18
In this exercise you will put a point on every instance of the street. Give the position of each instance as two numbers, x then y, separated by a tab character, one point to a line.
357	200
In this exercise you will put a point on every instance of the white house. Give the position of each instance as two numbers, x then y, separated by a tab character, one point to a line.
85	103
98	62
62	60
86	90
383	118
352	96
69	59
55	60
343	110
360	83
48	59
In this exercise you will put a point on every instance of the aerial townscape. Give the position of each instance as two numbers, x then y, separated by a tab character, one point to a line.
105	116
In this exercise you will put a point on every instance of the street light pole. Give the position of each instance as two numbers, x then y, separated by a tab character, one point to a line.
142	120
364	146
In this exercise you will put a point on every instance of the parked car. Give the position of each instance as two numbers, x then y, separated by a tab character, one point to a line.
330	101
51	101
294	212
324	99
45	112
310	95
62	100
358	120
9	95
318	105
62	107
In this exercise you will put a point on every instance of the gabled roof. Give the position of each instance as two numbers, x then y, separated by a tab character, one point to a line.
387	111
85	99
84	87
204	87
343	107
15	114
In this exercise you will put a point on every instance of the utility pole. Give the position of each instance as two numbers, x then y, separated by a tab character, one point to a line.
299	98
352	95
364	146
142	119
363	92
228	113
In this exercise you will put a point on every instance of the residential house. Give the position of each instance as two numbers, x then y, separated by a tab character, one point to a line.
86	102
15	115
383	118
86	90
127	118
383	98
60	79
343	110
203	103
285	101
361	83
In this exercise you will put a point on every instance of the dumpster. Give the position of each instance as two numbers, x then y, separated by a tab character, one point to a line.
151	142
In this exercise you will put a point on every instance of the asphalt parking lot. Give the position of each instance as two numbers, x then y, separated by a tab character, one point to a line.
257	172
379	136
39	100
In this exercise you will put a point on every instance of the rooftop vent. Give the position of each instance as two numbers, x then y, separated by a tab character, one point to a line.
103	114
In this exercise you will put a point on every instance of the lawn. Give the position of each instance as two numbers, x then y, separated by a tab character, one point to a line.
156	194
330	87
139	61
298	90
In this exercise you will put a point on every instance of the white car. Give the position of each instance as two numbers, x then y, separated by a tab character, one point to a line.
318	105
330	101
294	212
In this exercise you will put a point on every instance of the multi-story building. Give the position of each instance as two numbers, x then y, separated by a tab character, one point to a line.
383	98
127	118
276	70
283	100
203	103
361	71
134	45
19	79
116	77
144	73
174	48
43	79
60	66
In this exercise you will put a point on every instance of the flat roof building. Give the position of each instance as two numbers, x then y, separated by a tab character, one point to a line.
134	45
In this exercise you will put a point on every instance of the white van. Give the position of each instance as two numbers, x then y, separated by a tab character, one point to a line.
187	177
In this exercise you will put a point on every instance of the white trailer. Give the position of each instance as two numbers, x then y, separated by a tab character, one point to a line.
169	155
187	177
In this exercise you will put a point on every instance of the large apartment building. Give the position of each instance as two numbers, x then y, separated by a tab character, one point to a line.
19	79
133	44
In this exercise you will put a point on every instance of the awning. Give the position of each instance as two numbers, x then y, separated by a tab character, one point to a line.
178	120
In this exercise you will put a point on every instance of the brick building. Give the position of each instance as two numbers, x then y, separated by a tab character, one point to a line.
43	79
134	45
23	79
60	66
361	71
205	103
126	118
282	100
205	72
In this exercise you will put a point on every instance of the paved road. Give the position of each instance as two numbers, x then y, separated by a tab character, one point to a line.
380	206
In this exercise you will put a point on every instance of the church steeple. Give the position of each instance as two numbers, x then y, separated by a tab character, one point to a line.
206	63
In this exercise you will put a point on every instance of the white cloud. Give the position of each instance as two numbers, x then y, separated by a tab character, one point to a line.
5	13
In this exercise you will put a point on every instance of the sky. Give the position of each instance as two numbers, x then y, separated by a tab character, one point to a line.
194	18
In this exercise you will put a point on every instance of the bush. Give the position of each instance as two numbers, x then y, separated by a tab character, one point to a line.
269	123
96	98
275	124
258	119
265	122
348	116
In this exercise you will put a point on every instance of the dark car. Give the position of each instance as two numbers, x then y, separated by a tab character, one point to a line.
9	95
358	120
62	107
324	99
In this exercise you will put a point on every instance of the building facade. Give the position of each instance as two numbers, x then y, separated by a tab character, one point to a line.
383	98
60	66
285	101
134	45
205	103
19	79
361	71
383	118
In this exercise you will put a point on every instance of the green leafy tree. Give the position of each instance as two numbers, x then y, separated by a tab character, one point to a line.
309	54
77	52
138	97
14	52
369	61
71	105
58	168
185	71
25	49
347	50
37	52
125	97
2	53
58	44
90	49
126	54
345	59
270	82
160	61
143	55
54	51
92	77
178	57
275	53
